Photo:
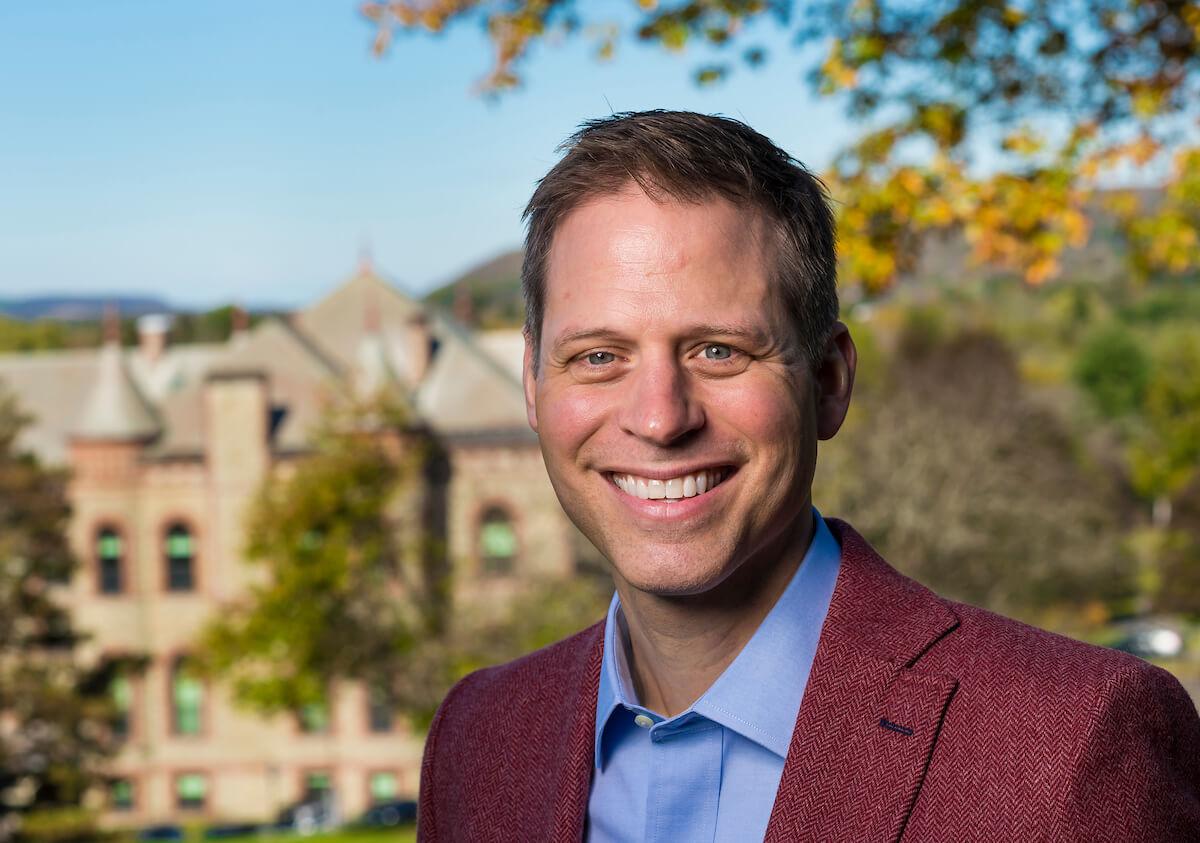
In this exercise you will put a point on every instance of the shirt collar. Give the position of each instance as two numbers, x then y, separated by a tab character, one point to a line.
753	696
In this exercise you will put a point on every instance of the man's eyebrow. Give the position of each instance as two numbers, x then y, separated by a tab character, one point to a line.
754	335
588	334
750	334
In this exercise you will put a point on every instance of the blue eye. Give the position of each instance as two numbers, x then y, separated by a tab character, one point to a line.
714	351
600	358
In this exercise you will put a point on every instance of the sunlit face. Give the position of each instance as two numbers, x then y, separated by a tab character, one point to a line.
675	412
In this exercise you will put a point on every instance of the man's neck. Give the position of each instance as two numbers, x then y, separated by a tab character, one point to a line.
678	646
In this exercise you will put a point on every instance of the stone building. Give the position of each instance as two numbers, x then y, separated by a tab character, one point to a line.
167	445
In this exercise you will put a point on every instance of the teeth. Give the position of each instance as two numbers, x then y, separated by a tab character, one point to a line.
687	486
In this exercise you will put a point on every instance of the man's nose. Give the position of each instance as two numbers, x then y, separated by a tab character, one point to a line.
659	406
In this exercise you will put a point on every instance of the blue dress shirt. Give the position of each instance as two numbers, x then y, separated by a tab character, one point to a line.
709	773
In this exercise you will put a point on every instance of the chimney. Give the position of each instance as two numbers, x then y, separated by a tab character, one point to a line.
239	323
153	330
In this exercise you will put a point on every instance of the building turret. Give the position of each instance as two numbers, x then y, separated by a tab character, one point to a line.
116	410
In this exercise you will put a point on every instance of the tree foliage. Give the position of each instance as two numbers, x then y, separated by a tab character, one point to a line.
1053	96
1165	453
350	585
1113	369
53	715
965	483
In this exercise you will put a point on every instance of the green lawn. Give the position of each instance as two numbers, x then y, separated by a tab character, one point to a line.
403	835
408	834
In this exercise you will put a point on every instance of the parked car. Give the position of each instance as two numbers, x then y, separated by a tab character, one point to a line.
315	812
226	830
160	832
1151	639
388	814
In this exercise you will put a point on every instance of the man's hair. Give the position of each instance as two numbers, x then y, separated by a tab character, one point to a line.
689	157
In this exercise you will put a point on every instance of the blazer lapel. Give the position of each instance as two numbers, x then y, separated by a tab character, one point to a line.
869	719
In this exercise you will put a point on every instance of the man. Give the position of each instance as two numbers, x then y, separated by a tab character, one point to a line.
762	673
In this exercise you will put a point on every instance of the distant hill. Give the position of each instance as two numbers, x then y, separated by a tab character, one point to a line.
80	308
492	289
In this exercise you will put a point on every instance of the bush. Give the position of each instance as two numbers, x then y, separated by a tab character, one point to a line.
1114	370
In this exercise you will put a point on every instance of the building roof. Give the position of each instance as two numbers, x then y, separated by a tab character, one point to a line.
115	408
362	330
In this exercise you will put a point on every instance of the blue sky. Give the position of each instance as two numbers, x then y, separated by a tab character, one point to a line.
246	150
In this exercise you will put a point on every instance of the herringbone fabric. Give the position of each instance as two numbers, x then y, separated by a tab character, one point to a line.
923	720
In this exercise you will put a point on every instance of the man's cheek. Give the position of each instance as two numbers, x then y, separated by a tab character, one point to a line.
569	417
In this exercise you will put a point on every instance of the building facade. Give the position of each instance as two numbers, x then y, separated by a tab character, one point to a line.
167	446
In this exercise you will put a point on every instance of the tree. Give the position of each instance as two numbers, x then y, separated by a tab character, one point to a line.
966	484
1113	370
353	585
54	716
1060	94
1165	457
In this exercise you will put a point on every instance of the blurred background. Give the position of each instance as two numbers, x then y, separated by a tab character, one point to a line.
266	485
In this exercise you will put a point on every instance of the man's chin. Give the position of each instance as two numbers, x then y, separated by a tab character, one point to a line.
670	575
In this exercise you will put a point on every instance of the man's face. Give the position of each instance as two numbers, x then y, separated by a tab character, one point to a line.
677	418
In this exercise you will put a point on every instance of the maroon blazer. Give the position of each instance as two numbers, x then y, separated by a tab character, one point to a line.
923	719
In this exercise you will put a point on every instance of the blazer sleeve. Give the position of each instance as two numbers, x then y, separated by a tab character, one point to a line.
430	798
1138	774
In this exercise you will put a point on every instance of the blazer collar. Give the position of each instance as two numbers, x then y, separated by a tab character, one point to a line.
867	724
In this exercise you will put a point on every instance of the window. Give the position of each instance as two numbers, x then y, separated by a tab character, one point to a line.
187	699
318	784
384	786
497	541
191	791
120	691
120	795
108	560
180	555
381	713
313	718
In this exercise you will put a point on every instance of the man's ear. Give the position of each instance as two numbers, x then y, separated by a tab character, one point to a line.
529	381
834	380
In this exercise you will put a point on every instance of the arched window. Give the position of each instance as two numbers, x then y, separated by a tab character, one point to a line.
384	785
180	553
120	795
191	791
187	699
497	541
318	784
109	549
381	710
313	718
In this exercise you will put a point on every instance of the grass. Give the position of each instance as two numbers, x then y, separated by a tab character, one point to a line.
405	834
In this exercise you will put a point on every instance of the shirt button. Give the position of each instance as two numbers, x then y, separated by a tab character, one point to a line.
643	721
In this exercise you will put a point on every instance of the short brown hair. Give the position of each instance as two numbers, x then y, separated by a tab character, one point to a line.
689	157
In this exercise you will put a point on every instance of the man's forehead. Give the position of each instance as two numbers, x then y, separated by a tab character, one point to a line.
630	227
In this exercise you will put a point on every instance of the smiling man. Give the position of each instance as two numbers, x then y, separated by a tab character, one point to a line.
761	673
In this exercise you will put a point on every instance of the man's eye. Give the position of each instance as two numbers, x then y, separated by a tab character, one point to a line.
716	351
600	358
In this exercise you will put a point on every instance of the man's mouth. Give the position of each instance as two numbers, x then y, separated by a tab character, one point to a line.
674	488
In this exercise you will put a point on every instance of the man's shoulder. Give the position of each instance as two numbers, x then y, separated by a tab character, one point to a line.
546	678
998	651
505	737
979	648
